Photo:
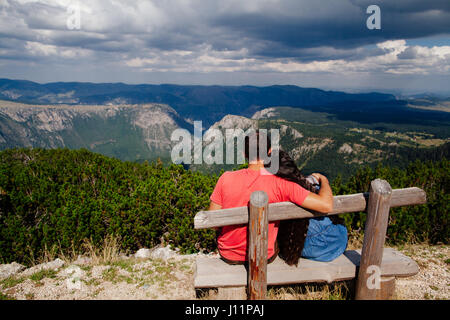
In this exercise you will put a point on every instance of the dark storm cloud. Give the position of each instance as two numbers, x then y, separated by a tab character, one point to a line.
267	28
407	6
226	36
338	24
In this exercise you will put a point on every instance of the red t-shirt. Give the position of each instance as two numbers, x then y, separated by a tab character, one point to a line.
233	189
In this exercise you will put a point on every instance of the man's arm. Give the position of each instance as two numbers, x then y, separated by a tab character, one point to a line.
322	202
214	206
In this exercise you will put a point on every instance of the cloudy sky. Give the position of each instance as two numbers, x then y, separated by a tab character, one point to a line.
309	43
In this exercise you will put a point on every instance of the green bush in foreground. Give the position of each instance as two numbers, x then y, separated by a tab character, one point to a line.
416	223
55	199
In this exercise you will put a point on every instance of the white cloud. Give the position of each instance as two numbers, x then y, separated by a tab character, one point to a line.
39	49
45	50
189	36
425	61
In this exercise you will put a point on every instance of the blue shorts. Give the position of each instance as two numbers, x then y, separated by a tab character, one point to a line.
324	241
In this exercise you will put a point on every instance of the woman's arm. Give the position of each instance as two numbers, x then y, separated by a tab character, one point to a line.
322	202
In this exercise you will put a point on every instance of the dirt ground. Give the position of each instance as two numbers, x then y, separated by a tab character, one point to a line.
433	279
172	278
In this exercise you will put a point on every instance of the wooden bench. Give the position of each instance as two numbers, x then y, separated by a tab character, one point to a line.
374	267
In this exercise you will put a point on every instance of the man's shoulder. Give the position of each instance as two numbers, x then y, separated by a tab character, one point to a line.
233	173
246	174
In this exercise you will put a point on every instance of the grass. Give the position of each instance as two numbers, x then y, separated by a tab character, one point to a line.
38	276
106	254
29	296
92	282
4	296
86	268
124	264
96	292
434	288
112	275
11	282
343	290
160	274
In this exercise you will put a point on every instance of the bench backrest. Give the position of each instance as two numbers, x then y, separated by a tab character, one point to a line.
376	203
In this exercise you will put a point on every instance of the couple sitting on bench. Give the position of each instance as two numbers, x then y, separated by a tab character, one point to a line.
320	239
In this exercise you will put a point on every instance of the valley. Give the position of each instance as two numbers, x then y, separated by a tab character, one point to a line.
324	131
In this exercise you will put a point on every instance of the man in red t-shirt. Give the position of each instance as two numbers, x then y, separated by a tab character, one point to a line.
234	188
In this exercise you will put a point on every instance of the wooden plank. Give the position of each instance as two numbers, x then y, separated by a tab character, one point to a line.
374	236
257	245
287	210
213	272
232	293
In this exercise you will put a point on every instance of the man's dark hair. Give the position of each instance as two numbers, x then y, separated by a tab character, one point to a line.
259	135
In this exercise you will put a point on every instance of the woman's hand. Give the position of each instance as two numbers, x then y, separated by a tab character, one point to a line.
322	202
319	177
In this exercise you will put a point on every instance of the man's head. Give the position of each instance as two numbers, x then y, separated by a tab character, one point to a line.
257	145
261	148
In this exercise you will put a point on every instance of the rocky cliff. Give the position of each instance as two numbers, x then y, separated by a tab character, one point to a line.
128	132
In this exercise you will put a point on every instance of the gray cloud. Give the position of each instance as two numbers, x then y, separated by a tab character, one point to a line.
339	24
197	36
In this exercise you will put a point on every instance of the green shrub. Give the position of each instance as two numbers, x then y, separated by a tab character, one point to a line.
418	223
55	199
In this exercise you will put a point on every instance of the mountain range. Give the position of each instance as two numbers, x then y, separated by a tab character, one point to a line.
328	130
207	103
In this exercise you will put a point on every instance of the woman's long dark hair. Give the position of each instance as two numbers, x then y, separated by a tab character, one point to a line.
292	233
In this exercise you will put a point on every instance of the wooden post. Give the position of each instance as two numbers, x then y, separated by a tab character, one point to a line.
387	288
257	245
369	281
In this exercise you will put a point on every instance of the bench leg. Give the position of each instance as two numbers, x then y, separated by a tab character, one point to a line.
232	293
387	288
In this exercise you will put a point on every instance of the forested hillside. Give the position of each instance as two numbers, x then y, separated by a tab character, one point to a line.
319	142
324	131
54	199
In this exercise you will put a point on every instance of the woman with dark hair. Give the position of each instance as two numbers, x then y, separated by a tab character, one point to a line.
320	239
234	188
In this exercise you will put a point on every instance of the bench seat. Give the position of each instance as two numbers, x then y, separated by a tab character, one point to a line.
215	273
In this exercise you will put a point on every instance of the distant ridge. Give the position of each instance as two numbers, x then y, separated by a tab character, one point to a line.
208	103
